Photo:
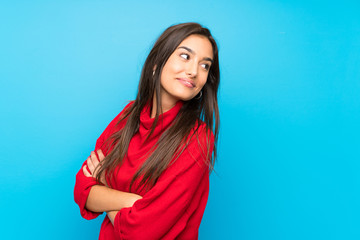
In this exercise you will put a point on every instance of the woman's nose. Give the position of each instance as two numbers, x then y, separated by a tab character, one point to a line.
191	69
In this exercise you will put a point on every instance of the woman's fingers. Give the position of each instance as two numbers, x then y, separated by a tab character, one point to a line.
94	158
97	167
93	163
100	154
90	165
86	172
96	163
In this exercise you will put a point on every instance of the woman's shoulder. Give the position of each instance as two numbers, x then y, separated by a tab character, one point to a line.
201	131
200	142
116	123
195	153
122	113
126	108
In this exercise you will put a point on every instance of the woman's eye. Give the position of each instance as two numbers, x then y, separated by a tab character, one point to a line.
185	56
205	66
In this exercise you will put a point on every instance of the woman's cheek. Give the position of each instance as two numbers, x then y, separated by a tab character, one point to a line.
177	66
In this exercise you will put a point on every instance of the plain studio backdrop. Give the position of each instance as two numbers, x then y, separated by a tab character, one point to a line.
289	148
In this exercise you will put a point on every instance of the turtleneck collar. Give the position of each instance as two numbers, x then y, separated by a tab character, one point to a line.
163	123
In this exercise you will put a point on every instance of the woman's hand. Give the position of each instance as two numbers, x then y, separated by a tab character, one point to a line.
94	164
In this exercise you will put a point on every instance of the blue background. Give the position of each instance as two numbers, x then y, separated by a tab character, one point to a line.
289	147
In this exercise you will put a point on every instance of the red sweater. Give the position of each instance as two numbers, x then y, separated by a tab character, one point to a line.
174	206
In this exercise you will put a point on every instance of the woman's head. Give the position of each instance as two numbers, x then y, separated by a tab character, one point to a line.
186	70
184	54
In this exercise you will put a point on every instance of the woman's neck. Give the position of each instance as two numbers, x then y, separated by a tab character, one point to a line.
166	105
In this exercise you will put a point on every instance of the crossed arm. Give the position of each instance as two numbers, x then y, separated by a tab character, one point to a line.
102	198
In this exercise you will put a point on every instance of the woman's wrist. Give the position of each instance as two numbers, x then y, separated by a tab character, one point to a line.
111	215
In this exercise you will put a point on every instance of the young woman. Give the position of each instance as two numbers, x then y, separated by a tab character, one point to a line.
150	168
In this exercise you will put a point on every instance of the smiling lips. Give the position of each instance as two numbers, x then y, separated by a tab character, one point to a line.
187	82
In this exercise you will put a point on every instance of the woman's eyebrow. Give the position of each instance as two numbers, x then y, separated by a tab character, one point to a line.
187	49
208	59
193	52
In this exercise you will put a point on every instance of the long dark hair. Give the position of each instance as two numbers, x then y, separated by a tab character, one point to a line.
171	143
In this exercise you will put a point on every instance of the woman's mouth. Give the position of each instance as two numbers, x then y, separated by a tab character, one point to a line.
187	82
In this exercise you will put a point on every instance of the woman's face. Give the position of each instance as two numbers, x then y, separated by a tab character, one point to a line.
186	71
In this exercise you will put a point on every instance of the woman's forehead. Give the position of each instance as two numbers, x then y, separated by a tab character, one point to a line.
197	44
